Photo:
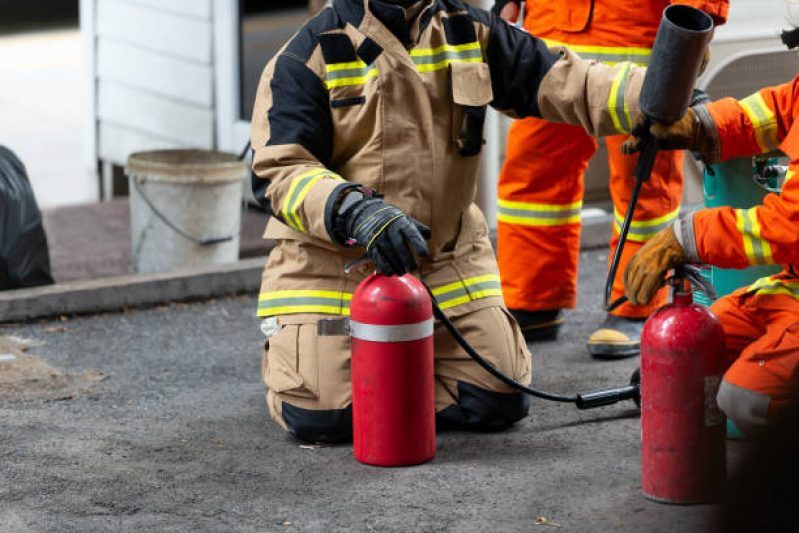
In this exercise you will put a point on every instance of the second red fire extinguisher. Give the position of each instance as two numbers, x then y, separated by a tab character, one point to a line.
683	432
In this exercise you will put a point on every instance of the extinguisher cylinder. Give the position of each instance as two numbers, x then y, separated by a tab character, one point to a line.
683	455
393	393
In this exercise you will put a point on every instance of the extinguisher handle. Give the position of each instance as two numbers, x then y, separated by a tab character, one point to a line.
601	398
693	274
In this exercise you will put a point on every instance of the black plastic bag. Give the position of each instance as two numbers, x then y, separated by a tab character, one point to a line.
24	259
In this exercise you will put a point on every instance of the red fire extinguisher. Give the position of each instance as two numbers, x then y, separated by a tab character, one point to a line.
683	458
393	395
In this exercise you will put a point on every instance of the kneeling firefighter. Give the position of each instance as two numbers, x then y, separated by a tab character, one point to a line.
761	321
366	135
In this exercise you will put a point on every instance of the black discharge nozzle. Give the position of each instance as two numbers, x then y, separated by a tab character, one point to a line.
599	398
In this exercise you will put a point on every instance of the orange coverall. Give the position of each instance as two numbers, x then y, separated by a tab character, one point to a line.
541	183
761	321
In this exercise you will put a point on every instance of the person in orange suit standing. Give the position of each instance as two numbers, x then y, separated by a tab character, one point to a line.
761	321
541	183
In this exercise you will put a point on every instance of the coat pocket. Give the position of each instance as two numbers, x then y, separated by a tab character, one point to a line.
471	93
291	363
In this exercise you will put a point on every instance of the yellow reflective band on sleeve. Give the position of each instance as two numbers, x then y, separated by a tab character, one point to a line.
610	55
763	120
299	189
304	301
788	175
643	230
758	250
432	59
352	73
772	285
617	103
530	214
461	292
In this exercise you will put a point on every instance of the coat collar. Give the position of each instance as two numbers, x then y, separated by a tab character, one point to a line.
361	12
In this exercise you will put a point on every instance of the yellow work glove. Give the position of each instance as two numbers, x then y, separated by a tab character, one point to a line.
685	134
649	266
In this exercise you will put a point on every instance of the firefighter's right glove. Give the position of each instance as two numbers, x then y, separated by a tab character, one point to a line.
387	233
507	10
685	134
649	266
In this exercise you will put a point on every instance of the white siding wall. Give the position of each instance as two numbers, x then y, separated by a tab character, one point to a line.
154	65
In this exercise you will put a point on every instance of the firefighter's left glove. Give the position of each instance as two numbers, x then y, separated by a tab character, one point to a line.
387	233
649	266
685	134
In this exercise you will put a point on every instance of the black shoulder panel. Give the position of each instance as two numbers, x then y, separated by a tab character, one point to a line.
300	112
518	63
369	51
480	15
304	43
337	48
459	29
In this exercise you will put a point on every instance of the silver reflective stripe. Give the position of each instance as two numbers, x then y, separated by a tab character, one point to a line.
399	333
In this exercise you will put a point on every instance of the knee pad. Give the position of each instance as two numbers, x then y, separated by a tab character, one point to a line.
484	410
323	426
748	409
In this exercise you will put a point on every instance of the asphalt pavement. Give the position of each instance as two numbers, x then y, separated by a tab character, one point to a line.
159	424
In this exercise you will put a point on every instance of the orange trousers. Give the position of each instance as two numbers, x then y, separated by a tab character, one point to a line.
540	195
762	332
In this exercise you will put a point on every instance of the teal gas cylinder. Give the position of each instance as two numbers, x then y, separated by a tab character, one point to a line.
740	183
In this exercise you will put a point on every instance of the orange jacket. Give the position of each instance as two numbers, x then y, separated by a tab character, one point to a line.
766	234
592	26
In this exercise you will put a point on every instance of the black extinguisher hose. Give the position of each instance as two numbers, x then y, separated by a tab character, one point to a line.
586	400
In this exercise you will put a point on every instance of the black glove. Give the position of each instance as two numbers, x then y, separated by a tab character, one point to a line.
384	231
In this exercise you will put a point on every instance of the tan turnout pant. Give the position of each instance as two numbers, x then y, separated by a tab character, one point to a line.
309	375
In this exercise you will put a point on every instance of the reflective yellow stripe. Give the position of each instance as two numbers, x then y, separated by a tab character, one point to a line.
338	303
334	67
757	249
418	52
609	55
470	289
771	285
304	301
445	63
788	176
643	230
617	100
432	59
356	80
298	190
530	214
763	120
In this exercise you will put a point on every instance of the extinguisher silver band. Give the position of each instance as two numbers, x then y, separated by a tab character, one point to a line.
398	333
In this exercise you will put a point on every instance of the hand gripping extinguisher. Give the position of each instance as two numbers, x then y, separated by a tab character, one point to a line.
683	432
393	395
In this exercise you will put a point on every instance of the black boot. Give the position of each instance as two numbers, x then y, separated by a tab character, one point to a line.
539	326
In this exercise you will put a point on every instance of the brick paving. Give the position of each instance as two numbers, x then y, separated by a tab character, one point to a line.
91	241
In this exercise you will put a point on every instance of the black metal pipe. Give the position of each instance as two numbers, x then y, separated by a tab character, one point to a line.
677	55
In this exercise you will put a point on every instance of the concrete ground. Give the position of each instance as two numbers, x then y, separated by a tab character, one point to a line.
155	421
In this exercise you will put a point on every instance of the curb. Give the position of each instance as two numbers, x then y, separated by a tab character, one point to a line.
111	294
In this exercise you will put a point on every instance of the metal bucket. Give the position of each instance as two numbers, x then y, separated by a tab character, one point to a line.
185	208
